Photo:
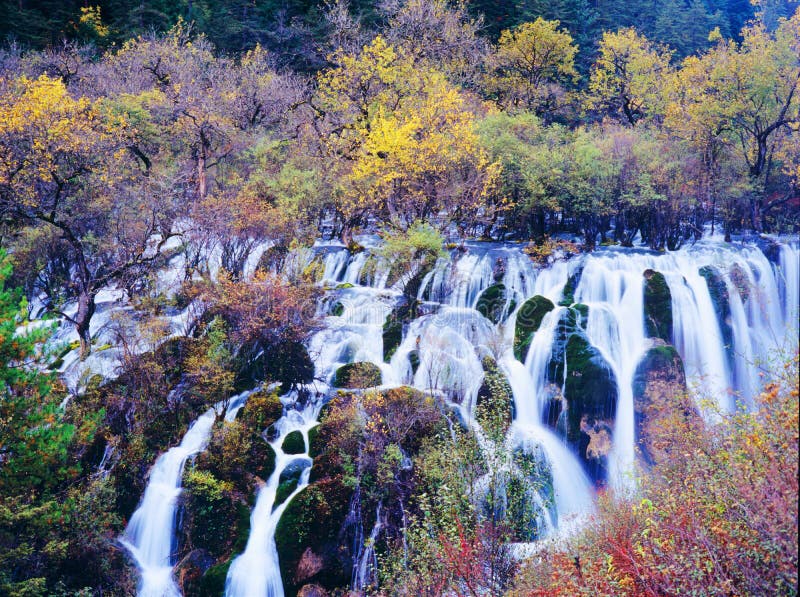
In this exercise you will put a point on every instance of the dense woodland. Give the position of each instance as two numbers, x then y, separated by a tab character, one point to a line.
134	130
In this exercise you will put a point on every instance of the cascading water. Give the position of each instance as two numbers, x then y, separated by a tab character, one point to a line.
150	534
256	571
450	339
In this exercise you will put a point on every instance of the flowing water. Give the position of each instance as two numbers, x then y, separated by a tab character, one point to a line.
450	338
150	535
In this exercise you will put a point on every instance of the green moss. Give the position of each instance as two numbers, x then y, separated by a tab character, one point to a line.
568	294
212	584
337	309
344	286
492	303
312	519
657	306
261	410
314	447
284	490
413	359
721	300
529	318
357	375
294	443
495	402
263	458
394	324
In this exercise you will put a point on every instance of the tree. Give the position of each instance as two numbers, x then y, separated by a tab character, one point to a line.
744	98
626	78
532	65
401	141
64	164
35	451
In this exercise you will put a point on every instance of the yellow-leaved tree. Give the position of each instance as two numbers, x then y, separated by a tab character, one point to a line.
627	77
401	142
532	66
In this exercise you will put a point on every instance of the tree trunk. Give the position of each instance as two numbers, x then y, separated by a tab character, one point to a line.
86	308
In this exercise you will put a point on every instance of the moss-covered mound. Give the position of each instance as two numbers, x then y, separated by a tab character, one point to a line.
294	443
400	316
657	306
590	391
492	303
495	403
357	375
568	294
659	393
529	318
721	300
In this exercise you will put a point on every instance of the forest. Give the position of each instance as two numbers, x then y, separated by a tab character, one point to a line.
399	297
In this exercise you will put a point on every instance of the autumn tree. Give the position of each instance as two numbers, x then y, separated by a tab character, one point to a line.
401	140
64	166
627	77
532	65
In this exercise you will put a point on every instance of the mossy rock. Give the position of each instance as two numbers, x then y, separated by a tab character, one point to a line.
740	280
492	303
314	447
659	383
411	288
337	308
190	570
569	324
294	443
358	375
212	584
273	258
344	286
568	293
290	364
657	306
314	519
400	316
590	394
529	318
284	490
721	300
495	401
413	360
261	410
263	459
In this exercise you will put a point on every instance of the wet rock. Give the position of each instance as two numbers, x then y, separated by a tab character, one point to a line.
190	570
657	306
659	388
568	294
492	303
358	375
495	401
740	281
395	322
312	591
721	300
294	443
309	565
212	583
529	318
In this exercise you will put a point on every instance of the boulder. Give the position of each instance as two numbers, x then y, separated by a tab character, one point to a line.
358	375
294	443
495	401
529	318
659	387
190	570
492	303
721	300
657	306
400	316
568	294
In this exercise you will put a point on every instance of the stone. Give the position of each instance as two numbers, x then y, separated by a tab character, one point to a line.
529	318
358	375
657	306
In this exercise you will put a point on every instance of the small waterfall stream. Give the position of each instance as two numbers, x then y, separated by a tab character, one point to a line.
150	534
256	571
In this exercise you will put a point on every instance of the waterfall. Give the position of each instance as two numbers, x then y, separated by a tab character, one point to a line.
450	338
572	489
150	534
256	571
